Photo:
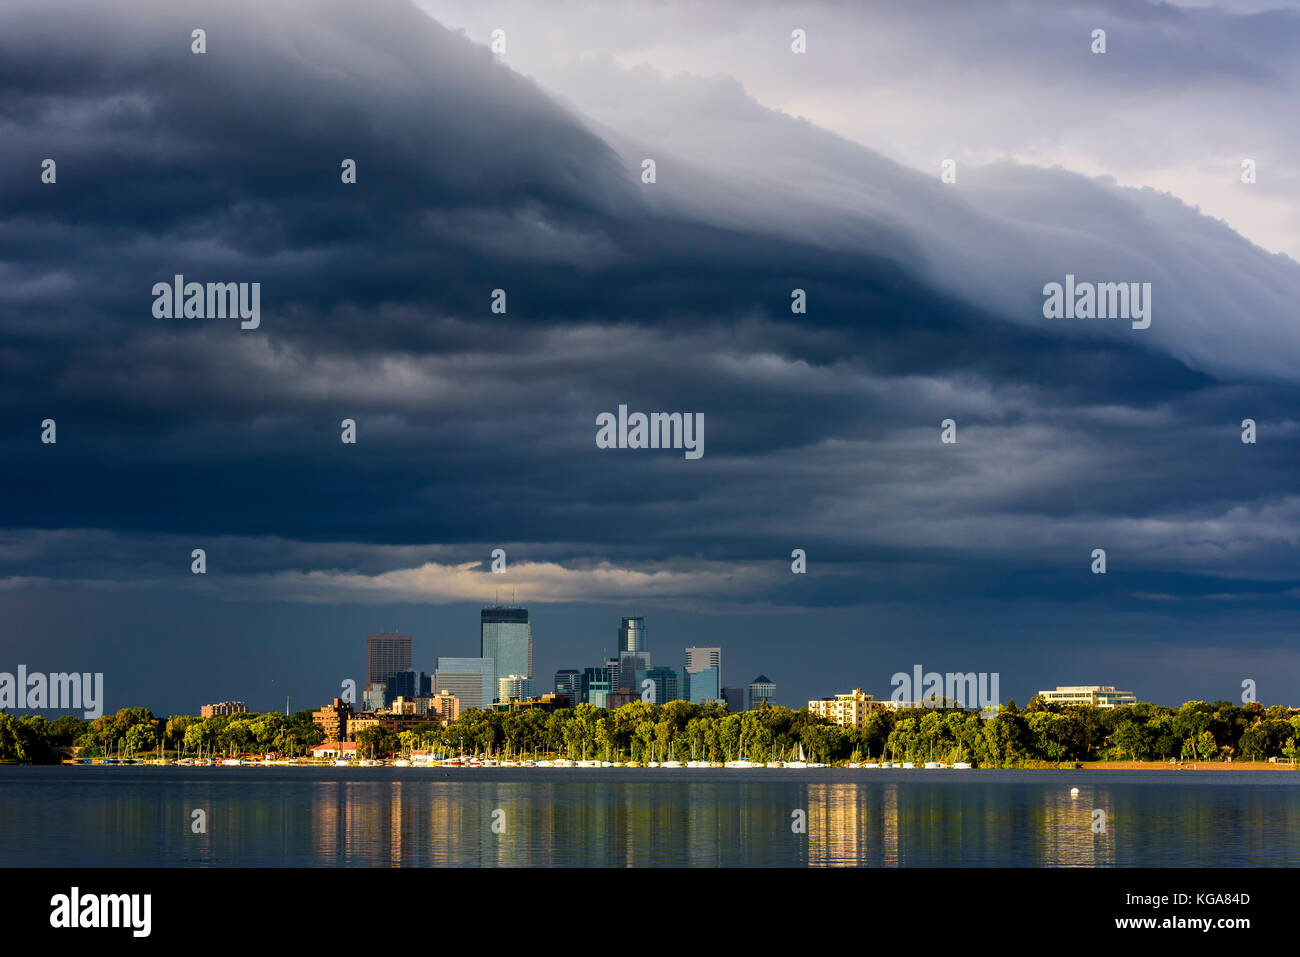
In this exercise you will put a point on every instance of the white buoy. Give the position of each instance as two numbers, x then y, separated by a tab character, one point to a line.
1073	791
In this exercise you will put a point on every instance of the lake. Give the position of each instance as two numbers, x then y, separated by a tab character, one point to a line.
390	817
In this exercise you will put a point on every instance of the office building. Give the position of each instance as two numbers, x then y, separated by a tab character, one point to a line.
847	710
1099	696
734	698
632	668
409	684
514	688
506	636
697	659
374	697
472	680
595	686
669	684
386	655
761	689
704	685
632	635
633	657
568	682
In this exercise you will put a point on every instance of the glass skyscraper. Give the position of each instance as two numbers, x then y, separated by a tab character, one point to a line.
632	636
472	680
507	638
633	654
704	685
670	684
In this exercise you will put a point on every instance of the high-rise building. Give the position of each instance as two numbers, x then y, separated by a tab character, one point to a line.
507	638
386	655
472	680
408	684
735	698
697	659
670	684
632	635
568	682
595	686
611	669
704	685
632	668
374	697
514	688
761	689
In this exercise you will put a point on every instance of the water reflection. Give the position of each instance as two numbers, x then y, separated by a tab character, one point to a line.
419	817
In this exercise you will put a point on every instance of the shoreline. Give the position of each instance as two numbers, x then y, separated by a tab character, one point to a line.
1062	766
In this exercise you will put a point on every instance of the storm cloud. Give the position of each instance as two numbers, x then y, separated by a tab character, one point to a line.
476	430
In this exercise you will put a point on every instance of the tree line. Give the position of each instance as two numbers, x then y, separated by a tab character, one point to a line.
683	731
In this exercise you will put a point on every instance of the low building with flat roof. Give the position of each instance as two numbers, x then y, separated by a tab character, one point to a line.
223	707
1099	696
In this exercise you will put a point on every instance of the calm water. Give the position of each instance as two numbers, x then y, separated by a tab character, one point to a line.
88	816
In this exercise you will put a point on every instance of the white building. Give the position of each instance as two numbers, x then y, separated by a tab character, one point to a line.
847	710
1099	696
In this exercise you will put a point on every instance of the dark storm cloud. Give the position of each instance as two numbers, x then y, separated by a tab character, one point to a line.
475	430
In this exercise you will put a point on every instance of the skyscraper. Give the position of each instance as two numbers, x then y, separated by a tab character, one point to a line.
631	635
568	682
670	684
595	686
704	685
698	659
472	680
408	684
386	655
633	654
507	638
761	689
632	668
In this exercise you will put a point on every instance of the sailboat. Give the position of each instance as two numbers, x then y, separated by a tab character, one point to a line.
741	761
800	760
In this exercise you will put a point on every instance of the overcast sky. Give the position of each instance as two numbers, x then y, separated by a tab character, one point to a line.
775	171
